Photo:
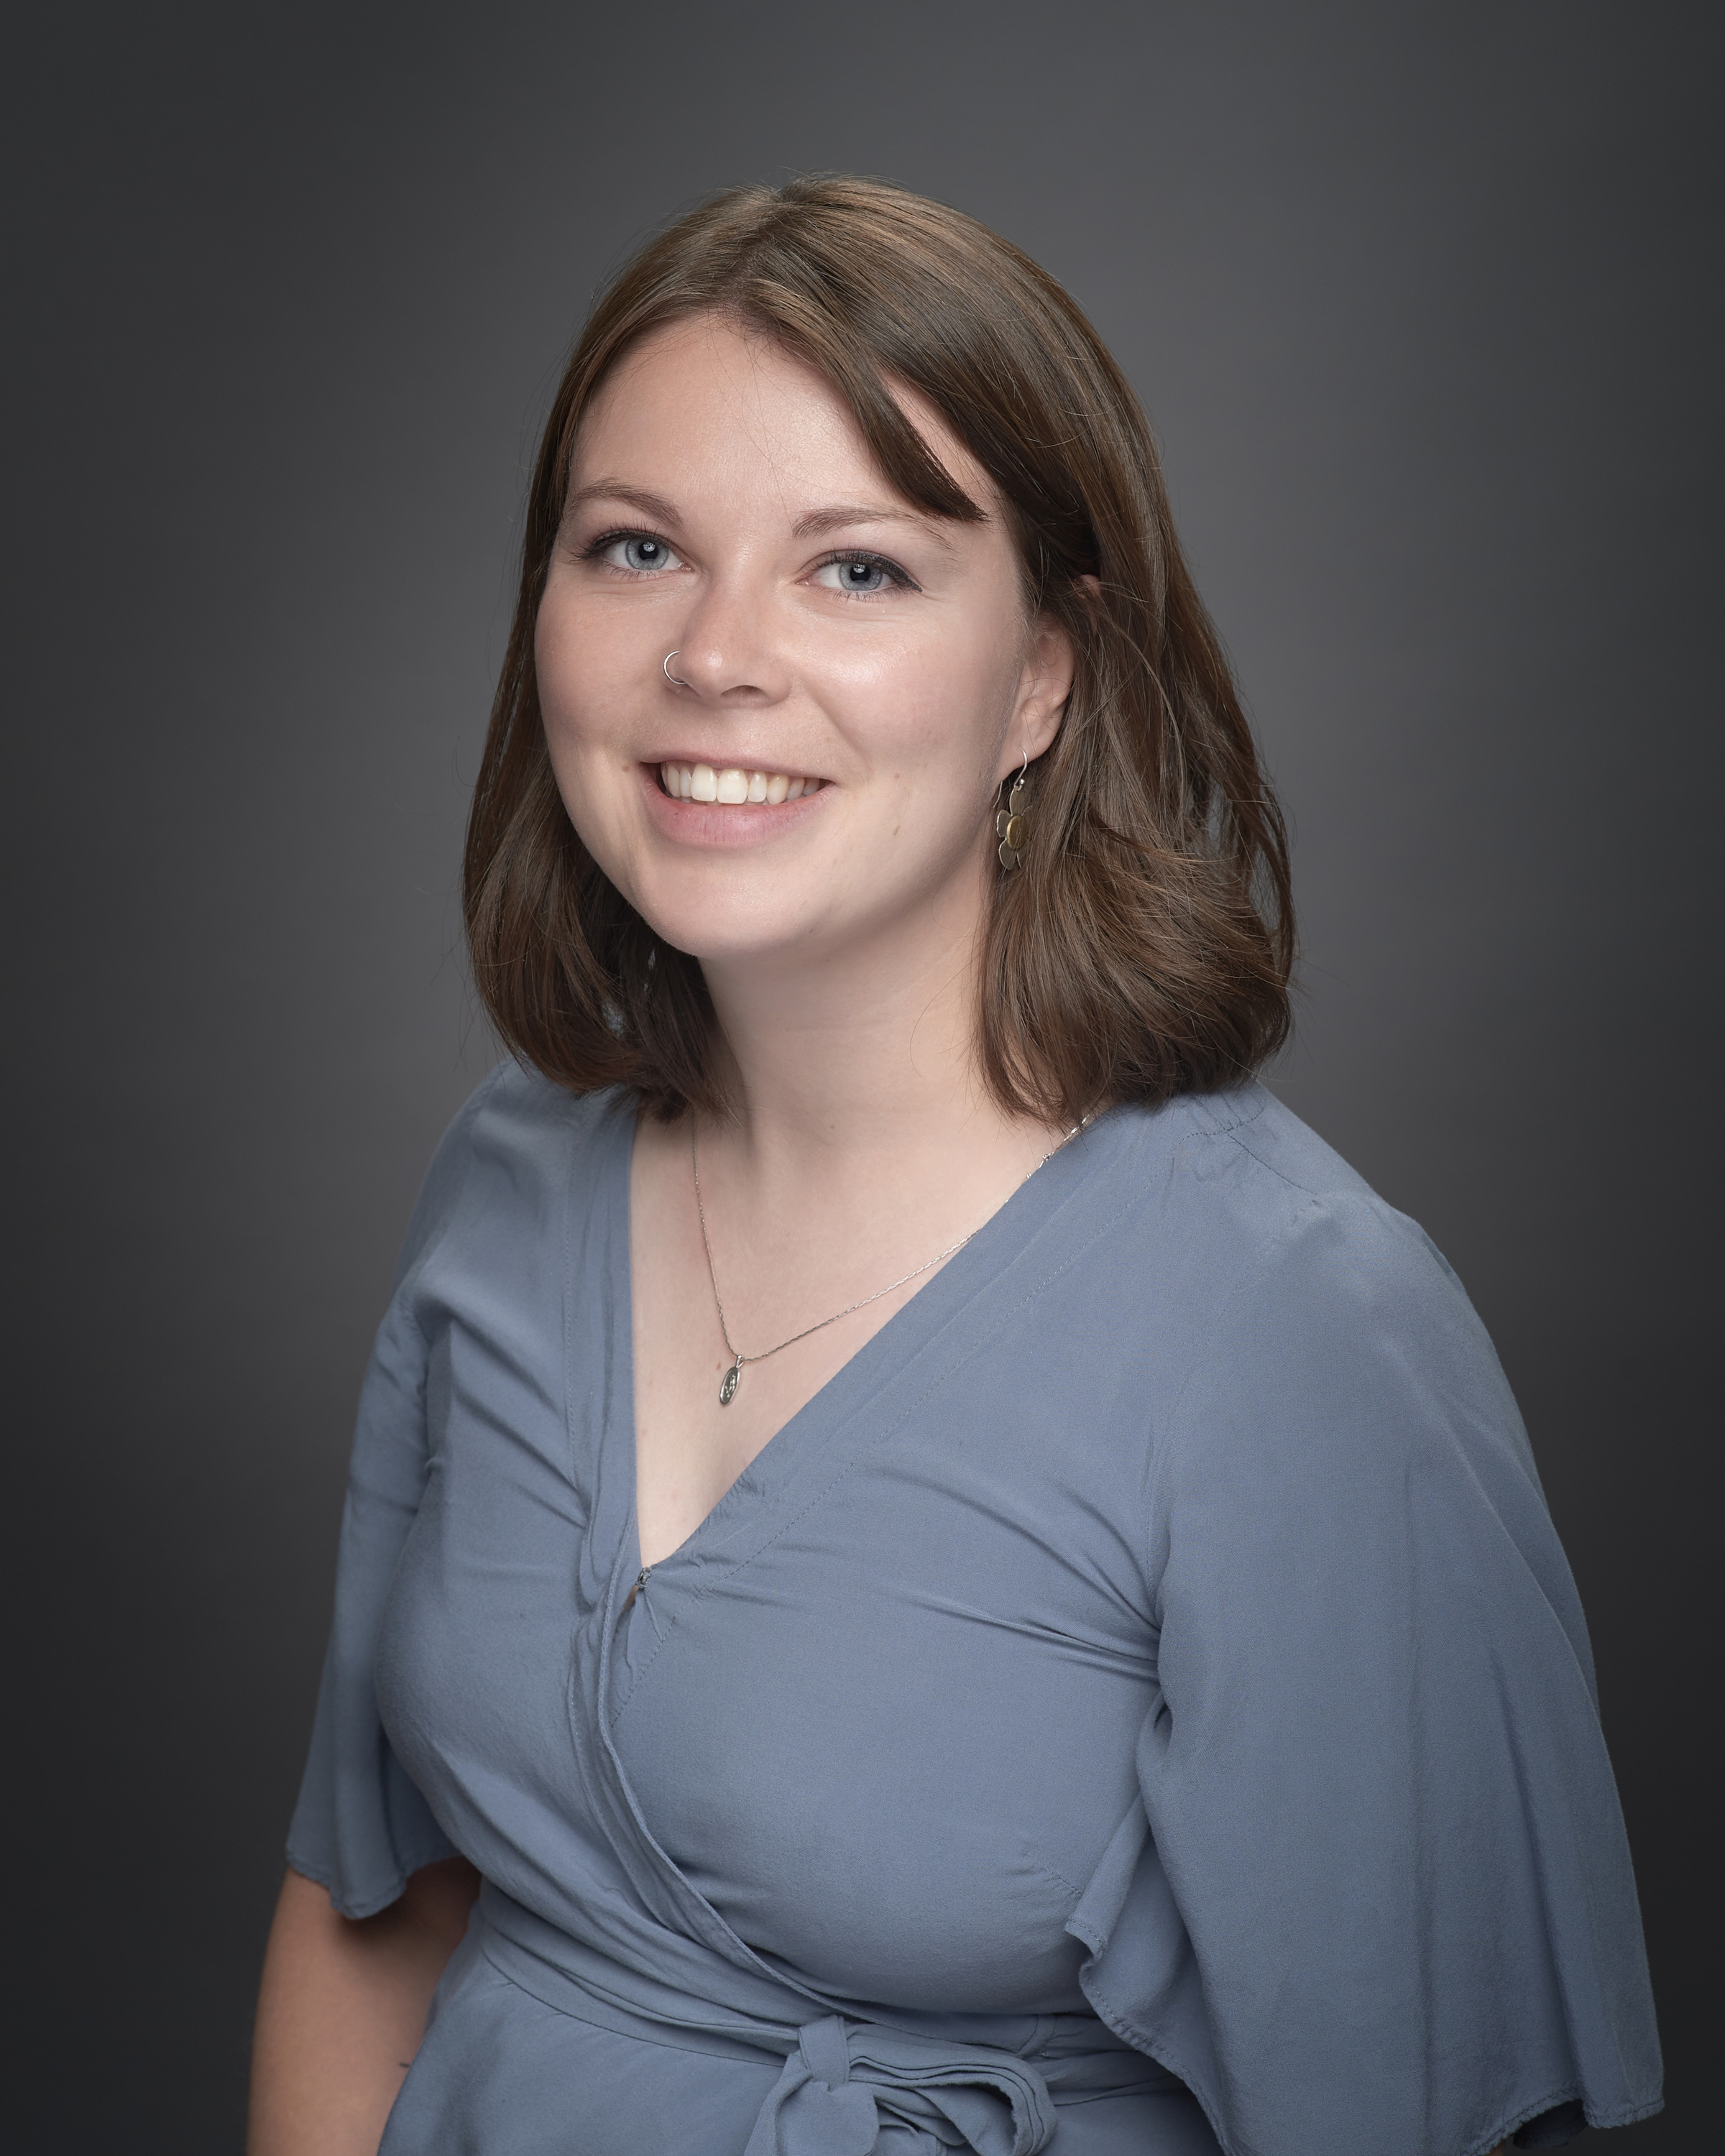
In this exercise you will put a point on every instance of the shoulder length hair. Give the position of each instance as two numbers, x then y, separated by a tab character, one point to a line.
1143	947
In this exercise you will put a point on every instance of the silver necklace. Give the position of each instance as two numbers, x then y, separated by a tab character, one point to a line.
733	1376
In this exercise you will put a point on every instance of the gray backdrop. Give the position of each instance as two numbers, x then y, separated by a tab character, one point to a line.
1422	301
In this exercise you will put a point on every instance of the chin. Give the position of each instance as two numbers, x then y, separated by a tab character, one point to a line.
797	907
726	935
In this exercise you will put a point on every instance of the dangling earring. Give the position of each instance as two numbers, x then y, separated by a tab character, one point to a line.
1012	827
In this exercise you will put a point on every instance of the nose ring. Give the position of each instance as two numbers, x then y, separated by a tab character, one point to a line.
670	677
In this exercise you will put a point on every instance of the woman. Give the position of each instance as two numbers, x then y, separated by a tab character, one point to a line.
947	1575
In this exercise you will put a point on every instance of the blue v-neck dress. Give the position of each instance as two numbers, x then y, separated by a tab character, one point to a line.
1139	1706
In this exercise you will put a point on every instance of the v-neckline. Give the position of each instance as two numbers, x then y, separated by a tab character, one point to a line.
1045	1227
1071	1163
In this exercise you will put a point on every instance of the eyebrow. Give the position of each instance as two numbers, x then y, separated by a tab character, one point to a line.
816	524
616	489
819	521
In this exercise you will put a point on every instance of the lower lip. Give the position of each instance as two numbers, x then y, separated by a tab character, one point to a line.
707	823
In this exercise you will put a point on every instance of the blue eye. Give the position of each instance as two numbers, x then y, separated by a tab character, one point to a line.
638	550
862	574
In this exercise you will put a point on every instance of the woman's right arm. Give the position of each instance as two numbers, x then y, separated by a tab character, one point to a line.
342	2009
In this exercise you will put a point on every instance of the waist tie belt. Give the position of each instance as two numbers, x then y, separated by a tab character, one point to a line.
850	2087
849	2084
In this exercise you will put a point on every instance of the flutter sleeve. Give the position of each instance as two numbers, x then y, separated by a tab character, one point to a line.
360	1827
1378	1899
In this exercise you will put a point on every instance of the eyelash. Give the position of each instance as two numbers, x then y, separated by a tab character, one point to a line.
901	577
895	575
595	547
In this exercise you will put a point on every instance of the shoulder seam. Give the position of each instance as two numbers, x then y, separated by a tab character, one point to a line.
464	1118
1232	1131
1219	1126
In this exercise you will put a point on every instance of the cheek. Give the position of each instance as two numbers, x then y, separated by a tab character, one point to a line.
591	671
943	708
566	687
582	686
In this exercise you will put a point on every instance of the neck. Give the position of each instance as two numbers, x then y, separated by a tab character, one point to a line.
854	1058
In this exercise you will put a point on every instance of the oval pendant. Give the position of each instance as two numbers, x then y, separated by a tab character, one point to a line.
727	1391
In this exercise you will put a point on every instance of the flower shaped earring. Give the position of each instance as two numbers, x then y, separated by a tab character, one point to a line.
1012	827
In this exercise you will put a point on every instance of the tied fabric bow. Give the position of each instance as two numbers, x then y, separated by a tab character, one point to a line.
849	2089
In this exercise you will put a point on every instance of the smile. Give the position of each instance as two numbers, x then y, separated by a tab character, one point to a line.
730	785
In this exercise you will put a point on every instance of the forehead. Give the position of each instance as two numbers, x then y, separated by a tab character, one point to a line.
708	399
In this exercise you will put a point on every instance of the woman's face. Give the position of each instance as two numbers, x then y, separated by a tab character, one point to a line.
860	676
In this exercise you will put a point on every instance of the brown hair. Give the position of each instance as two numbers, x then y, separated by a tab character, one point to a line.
1143	948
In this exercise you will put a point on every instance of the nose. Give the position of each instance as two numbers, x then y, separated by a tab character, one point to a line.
732	651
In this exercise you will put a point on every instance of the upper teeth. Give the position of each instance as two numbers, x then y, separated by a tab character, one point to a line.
701	781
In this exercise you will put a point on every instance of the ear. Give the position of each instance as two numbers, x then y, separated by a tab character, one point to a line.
1044	685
